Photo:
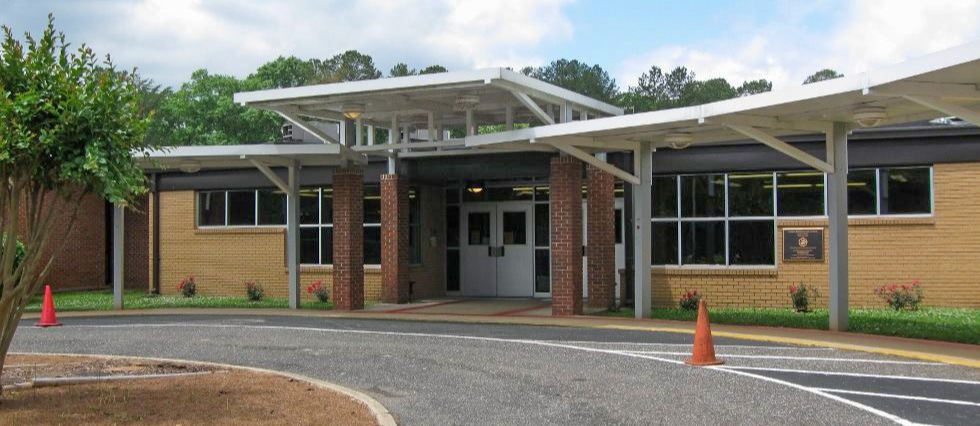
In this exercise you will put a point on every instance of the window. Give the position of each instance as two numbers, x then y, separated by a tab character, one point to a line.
211	208
267	207
241	208
729	219
862	192
372	225
906	190
800	193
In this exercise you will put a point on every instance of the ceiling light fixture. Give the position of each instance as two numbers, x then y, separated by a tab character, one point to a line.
190	166
474	187
678	140
466	102
352	111
869	116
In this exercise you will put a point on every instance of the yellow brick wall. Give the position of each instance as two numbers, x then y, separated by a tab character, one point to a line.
942	252
222	259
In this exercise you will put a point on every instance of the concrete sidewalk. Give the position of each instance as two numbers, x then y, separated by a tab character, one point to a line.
952	353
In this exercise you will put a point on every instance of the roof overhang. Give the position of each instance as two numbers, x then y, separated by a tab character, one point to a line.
941	84
413	98
193	158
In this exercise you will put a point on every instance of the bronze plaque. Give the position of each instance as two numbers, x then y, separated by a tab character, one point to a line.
803	245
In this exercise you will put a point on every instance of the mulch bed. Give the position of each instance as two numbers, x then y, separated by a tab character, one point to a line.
233	397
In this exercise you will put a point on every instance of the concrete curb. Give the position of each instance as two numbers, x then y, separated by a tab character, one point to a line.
928	350
381	414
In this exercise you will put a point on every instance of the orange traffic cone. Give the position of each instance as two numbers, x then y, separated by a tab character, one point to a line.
704	348
48	318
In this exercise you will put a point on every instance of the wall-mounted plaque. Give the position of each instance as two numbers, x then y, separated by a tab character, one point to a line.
803	244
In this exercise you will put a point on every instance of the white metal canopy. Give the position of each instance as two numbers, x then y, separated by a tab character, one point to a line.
946	83
942	84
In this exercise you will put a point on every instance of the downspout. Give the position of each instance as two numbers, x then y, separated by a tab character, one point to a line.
155	190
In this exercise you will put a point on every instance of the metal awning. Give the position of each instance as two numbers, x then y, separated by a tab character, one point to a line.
946	83
193	158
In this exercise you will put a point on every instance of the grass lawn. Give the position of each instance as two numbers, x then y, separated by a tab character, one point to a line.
952	325
137	299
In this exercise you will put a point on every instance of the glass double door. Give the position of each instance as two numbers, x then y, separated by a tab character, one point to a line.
496	251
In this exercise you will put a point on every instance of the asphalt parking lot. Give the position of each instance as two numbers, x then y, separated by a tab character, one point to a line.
430	373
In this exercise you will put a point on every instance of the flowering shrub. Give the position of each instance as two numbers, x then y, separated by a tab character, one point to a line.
690	300
901	296
187	286
254	291
801	294
318	290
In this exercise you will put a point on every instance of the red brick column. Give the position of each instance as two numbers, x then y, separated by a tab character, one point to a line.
348	239
601	238
394	239
566	236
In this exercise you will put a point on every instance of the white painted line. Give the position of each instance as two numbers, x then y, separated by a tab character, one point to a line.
800	358
909	397
733	370
688	345
873	376
854	404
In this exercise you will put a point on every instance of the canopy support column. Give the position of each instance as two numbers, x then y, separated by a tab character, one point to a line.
118	255
292	235
837	214
642	242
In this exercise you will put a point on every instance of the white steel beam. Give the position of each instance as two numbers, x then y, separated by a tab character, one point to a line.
118	255
771	123
531	105
292	235
393	133
604	166
837	215
916	88
430	130
272	176
783	147
947	107
403	146
509	117
299	122
642	238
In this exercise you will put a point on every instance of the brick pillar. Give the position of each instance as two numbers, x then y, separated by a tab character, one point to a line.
601	239
394	239
348	239
566	236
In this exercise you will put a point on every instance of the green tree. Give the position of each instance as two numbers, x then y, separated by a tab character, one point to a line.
348	66
680	87
579	77
203	112
822	75
433	69
401	70
283	72
69	125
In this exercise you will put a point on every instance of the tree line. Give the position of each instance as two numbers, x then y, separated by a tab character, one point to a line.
201	111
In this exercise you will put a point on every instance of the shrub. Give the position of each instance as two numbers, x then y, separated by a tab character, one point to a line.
319	291
18	251
901	296
187	286
254	291
801	295
690	300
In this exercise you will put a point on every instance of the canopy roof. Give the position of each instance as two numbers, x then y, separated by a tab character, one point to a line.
412	98
936	85
193	158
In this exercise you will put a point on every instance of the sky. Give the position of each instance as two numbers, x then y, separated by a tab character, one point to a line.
782	41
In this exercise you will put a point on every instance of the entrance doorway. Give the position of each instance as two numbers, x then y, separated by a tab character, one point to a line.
497	255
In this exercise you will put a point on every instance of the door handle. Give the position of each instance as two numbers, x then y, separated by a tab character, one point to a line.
501	251
490	251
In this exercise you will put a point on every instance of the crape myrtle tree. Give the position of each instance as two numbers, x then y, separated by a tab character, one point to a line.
70	124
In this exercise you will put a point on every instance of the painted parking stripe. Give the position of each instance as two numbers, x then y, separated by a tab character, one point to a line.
688	345
800	358
732	370
873	376
896	396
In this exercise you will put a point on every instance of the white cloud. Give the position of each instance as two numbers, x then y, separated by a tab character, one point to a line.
168	39
872	33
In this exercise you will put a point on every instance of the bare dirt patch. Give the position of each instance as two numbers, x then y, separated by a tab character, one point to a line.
232	397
